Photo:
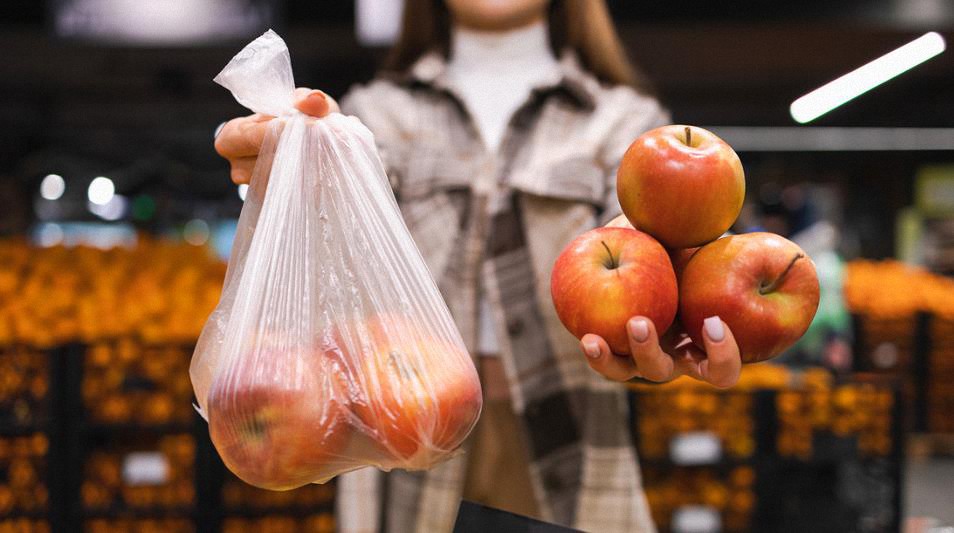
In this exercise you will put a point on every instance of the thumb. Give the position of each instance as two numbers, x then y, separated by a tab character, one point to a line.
314	102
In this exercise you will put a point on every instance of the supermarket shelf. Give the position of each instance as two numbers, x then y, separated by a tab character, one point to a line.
16	430
143	512
36	515
292	511
150	429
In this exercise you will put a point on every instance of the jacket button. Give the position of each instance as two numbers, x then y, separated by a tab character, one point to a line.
515	327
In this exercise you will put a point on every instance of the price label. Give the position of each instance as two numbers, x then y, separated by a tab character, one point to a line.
695	448
145	468
696	519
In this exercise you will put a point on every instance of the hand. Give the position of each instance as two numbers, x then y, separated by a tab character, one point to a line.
672	356
241	139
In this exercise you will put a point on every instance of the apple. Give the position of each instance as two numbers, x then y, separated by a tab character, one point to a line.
607	276
680	258
681	184
276	417
763	286
415	393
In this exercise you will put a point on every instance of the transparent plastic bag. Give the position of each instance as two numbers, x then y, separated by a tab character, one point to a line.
331	348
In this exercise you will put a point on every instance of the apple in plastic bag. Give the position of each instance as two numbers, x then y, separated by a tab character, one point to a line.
415	395
276	417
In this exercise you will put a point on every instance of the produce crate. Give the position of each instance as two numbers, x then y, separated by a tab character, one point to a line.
939	376
126	381
899	348
723	496
240	497
852	419
662	419
826	455
24	388
132	472
24	491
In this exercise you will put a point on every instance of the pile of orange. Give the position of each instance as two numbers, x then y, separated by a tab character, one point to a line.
24	383
23	473
892	289
685	405
159	291
856	409
887	295
125	381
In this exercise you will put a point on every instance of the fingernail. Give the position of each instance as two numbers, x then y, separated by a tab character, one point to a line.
715	330
639	330
315	96
591	349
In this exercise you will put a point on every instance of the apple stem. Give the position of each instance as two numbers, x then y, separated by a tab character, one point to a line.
765	289
688	136
612	260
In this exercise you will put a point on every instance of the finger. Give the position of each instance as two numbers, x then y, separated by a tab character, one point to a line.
723	362
242	137
242	169
603	360
315	103
652	362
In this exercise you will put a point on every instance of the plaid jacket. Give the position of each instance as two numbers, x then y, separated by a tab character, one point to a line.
496	223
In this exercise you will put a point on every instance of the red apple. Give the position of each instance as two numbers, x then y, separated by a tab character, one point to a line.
416	394
276	417
607	276
681	184
763	286
680	258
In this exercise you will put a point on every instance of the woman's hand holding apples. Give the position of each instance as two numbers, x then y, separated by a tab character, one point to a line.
666	358
673	355
682	187
240	139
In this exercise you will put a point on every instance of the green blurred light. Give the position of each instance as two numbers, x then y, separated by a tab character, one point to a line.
144	207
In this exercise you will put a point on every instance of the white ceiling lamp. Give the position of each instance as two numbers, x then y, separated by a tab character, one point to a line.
52	187
378	22
101	190
867	77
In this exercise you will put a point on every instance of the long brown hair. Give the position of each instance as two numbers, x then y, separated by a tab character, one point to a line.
583	26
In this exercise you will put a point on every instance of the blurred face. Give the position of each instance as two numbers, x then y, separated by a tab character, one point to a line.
496	15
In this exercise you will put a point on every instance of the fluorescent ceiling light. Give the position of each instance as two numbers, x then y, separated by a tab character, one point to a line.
867	77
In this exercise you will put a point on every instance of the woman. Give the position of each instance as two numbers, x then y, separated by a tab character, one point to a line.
501	124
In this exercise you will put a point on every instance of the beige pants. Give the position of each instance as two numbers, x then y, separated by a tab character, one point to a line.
498	469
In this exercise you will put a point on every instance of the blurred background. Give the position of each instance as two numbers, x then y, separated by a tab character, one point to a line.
116	217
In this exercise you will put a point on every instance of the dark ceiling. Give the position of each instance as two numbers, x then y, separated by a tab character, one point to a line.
712	65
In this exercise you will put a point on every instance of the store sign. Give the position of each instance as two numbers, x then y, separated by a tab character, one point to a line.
145	468
695	448
934	190
696	519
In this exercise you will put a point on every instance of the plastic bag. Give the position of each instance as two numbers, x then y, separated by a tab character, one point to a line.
331	348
